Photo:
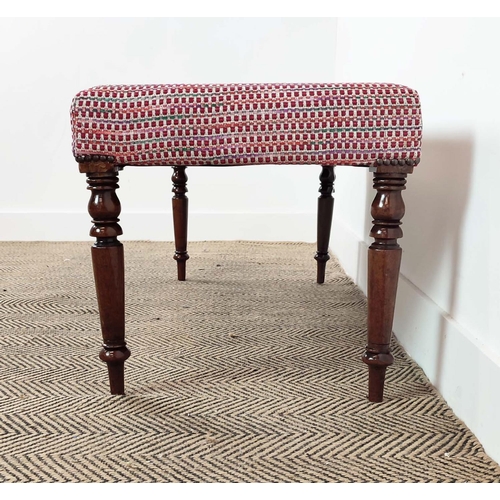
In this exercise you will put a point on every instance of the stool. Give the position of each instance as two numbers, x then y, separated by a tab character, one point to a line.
376	125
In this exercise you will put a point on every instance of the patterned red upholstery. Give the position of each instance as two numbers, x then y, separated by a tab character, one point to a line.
327	124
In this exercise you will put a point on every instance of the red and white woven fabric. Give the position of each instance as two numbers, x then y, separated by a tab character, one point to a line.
327	124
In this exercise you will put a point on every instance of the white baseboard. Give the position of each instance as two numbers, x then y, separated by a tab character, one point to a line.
464	371
57	226
351	252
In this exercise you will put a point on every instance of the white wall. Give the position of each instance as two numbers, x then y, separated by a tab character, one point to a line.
448	308
46	61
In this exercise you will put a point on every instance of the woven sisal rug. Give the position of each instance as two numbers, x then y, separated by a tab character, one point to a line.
247	372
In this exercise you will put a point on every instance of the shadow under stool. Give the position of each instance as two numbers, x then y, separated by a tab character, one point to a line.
353	124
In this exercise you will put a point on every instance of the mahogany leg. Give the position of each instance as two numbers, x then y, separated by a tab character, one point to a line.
107	260
180	212
325	214
384	258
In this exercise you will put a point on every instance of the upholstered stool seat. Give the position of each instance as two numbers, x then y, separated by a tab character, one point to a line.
322	124
377	125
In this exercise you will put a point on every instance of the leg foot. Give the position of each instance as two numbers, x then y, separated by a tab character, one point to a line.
115	359
181	268
377	366
321	271
376	379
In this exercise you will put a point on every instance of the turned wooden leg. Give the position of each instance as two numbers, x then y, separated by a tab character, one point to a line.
180	211
107	259
325	214
384	258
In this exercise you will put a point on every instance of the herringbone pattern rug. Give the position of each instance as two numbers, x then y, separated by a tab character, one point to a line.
249	371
